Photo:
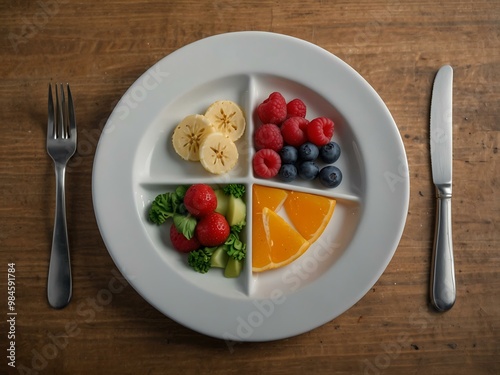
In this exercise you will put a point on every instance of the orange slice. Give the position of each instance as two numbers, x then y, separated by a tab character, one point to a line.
273	199
309	213
261	252
269	197
282	246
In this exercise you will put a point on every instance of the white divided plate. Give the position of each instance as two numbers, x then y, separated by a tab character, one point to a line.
135	161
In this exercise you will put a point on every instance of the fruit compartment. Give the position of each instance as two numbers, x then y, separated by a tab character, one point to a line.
349	162
319	258
157	161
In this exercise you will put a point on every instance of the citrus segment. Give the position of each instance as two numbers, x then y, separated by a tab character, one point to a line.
309	213
285	242
261	252
271	198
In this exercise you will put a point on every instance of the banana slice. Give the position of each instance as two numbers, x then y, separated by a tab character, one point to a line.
189	134
218	153
227	117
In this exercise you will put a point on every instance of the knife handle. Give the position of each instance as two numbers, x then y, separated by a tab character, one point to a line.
443	290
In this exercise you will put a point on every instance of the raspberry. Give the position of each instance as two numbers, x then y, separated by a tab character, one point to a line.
296	108
181	243
294	131
268	136
266	163
273	109
320	131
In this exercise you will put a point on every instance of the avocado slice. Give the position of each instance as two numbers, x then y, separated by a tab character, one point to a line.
219	258
222	202
233	267
236	211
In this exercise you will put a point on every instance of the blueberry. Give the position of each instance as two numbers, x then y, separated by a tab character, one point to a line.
308	170
330	152
308	152
289	155
287	172
330	176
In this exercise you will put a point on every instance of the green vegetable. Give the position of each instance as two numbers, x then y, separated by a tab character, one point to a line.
233	268
236	210
236	190
222	201
166	205
170	205
235	248
237	228
219	258
200	260
185	225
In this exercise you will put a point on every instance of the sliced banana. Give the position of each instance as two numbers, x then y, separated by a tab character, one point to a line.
227	117
218	153
189	135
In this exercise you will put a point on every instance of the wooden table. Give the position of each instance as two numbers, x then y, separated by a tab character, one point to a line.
102	47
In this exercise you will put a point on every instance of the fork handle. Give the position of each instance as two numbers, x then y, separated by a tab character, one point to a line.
59	284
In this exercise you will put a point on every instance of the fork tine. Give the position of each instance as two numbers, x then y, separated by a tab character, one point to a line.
71	115
58	122
60	110
50	122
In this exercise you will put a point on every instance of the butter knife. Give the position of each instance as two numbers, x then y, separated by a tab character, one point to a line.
442	288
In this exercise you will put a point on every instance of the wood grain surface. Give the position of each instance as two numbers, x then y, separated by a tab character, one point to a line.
102	47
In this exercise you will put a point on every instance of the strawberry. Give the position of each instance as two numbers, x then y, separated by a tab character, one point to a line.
181	243
212	229
200	200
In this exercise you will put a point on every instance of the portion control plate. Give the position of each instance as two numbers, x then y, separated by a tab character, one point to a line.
135	161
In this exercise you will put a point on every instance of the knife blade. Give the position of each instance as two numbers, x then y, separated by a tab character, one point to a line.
442	286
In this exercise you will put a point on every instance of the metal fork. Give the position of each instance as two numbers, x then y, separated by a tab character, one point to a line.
61	145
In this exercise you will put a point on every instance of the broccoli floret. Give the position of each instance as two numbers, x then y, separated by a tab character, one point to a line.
236	190
199	260
166	205
237	228
235	248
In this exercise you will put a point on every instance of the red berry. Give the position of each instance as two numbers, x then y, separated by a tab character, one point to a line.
181	243
296	108
200	200
268	136
320	131
212	230
294	131
273	109
266	163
